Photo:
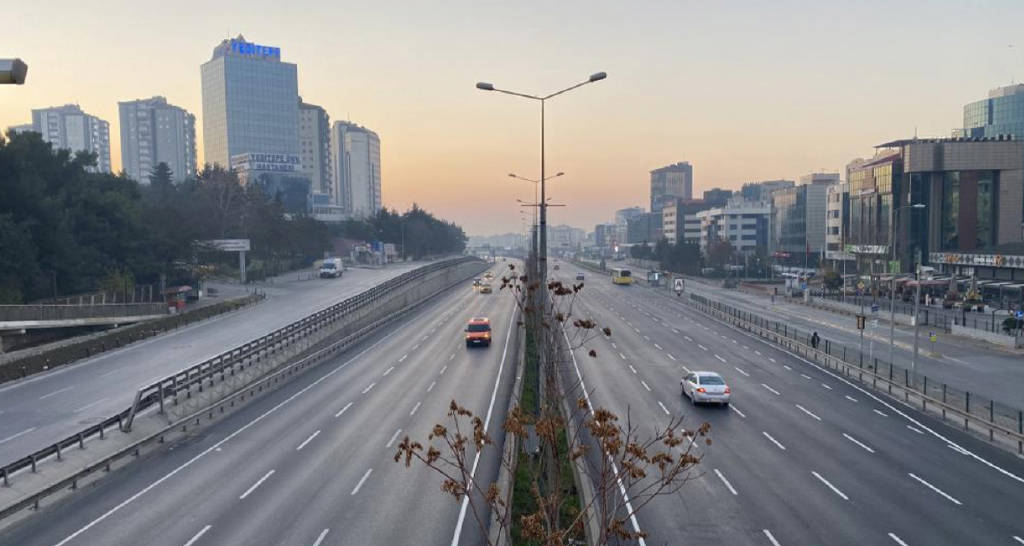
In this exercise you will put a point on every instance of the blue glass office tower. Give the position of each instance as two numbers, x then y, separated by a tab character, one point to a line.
250	102
1002	113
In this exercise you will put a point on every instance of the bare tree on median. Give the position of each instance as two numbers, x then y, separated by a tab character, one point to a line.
620	458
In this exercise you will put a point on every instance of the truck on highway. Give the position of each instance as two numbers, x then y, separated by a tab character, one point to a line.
332	268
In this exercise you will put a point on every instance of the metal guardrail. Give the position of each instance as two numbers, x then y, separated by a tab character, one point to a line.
173	385
71	482
1000	421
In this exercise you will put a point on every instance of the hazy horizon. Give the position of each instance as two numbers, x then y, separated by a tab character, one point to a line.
742	93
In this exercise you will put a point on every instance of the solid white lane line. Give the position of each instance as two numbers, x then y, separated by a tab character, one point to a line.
642	382
826	386
400	360
1018	539
615	467
664	409
726	482
632	369
393	438
56	392
443	369
308	440
431	387
197	536
803	409
255	485
958	449
897	539
858	442
919	431
850	398
702	347
487	423
830	486
880	413
416	407
343	410
742	372
658	347
87	406
670	356
361	482
367	389
771	538
15	435
936	489
389	370
771	390
774	441
720	358
320	538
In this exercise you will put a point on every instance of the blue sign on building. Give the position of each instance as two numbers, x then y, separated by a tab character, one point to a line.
255	50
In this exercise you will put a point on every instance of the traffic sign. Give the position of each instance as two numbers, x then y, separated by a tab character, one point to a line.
1020	315
874	307
932	337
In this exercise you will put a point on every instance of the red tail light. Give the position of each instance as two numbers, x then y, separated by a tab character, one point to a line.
728	390
701	389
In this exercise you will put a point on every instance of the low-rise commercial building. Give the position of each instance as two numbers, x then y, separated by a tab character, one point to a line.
679	221
745	225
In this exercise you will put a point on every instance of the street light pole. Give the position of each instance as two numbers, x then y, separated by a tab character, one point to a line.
892	284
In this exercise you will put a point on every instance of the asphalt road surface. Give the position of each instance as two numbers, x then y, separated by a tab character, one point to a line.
311	463
44	408
800	456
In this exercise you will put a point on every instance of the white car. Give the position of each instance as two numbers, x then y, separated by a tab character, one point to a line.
704	387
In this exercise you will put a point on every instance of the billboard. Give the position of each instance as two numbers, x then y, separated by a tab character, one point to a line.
226	245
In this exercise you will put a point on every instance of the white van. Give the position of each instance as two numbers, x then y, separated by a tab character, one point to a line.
332	267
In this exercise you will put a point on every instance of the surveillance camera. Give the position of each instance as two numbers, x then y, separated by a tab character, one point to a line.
13	71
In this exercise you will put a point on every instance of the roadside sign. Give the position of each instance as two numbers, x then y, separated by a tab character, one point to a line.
932	337
677	285
1020	315
874	307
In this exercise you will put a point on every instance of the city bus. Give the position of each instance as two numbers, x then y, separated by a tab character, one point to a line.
621	276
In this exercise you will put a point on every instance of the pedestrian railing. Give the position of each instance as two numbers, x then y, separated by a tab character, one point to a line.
1001	423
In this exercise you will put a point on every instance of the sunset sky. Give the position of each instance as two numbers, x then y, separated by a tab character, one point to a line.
742	90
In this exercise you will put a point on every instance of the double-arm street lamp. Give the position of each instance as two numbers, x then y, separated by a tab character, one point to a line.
542	202
892	285
536	186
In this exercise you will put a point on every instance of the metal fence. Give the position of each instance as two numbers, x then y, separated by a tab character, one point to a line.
977	413
10	313
931	315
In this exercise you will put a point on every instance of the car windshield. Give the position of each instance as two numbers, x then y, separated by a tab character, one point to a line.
711	380
328	265
478	328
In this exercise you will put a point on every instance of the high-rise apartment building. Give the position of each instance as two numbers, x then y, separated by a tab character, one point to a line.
673	181
250	102
355	155
315	146
68	127
679	221
154	132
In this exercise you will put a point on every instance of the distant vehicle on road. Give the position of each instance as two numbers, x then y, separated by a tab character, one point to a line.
478	332
622	276
477	282
579	276
703	387
488	275
485	288
332	268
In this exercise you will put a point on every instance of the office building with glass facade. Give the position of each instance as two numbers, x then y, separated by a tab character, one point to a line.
798	224
1002	113
250	102
744	224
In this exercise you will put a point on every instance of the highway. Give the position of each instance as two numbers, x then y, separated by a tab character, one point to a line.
44	408
801	456
311	463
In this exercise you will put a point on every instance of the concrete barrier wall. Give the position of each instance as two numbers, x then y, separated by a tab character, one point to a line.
1013	342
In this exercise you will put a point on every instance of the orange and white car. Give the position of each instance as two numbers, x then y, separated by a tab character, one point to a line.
478	332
